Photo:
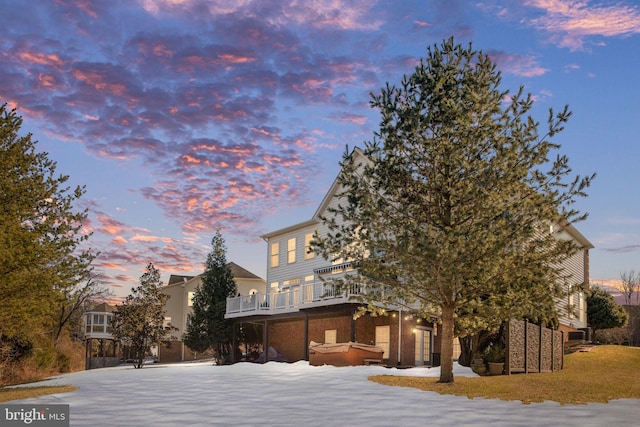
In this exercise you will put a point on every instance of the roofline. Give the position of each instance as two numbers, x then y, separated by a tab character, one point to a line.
307	223
578	236
315	219
334	187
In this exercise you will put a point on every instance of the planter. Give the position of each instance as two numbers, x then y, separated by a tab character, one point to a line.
496	368
478	366
479	369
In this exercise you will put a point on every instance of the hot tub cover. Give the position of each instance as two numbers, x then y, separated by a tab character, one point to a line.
343	347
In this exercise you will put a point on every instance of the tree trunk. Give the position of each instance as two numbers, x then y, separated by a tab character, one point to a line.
466	351
446	346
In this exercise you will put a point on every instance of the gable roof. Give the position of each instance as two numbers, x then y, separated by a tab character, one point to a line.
237	271
102	308
241	273
315	219
174	278
356	152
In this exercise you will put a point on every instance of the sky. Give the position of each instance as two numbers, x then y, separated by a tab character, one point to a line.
283	394
183	117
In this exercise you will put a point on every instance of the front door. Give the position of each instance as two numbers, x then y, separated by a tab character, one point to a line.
423	346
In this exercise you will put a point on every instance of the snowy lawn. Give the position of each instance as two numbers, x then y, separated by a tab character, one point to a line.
280	394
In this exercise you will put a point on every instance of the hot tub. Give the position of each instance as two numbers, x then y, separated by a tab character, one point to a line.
344	354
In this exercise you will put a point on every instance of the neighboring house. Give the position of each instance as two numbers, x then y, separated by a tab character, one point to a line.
181	290
100	347
299	306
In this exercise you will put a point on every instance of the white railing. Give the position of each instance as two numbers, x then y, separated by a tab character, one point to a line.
292	299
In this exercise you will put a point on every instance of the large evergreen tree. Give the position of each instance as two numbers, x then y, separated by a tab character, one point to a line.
206	326
603	312
139	321
40	237
451	212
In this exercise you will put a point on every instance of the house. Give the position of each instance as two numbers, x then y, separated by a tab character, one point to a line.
301	305
100	348
181	290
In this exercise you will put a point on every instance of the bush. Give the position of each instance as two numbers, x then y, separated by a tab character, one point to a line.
495	353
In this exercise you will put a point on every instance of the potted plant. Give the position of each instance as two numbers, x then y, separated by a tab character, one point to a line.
478	364
495	355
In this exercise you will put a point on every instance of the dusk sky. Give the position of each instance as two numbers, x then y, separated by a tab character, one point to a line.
185	116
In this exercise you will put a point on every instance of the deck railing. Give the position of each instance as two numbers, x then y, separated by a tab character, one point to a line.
292	299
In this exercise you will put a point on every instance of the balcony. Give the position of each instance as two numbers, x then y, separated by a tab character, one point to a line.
293	299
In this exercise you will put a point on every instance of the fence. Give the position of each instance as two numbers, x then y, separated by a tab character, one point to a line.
532	348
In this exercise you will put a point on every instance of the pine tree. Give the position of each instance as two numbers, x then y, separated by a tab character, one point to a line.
447	212
139	321
40	237
206	326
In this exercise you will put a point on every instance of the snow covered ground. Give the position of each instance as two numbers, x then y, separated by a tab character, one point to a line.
280	394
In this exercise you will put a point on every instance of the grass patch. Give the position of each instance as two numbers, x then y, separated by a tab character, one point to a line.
19	393
603	374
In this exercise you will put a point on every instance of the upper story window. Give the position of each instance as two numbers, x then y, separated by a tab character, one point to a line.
190	299
100	323
291	282
308	253
275	254
291	250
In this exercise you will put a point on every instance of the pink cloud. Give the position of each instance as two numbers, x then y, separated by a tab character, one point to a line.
49	59
140	238
110	225
350	118
119	240
525	66
570	22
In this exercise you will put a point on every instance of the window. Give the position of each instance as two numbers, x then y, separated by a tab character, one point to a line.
572	308
382	339
308	253
275	254
457	351
330	336
98	323
309	278
291	250
190	299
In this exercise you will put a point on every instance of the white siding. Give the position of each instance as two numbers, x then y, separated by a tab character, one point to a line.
575	267
303	266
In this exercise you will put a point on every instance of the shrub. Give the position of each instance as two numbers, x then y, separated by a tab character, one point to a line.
495	353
